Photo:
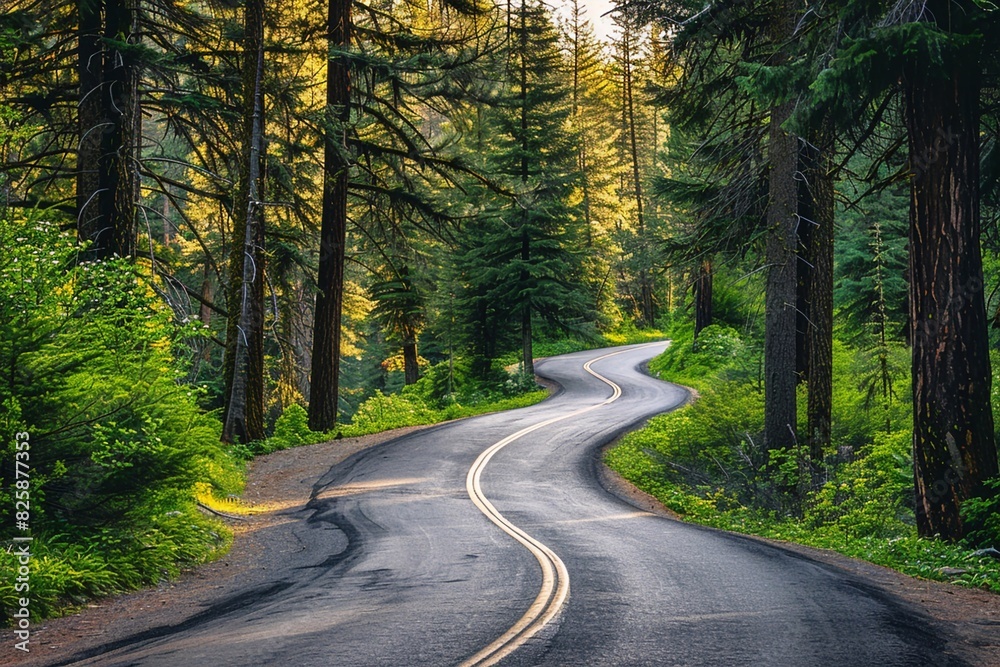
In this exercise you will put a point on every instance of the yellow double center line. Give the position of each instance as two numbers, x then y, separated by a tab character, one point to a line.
555	578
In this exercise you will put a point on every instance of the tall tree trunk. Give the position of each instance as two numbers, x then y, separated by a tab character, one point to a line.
779	320
645	288
122	78
411	365
288	381
91	123
703	297
582	164
819	175
804	265
114	229
881	321
954	449
325	378
207	294
244	413
527	354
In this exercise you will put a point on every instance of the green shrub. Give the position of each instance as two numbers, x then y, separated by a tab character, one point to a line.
291	429
872	495
860	408
718	349
982	516
705	461
117	443
382	413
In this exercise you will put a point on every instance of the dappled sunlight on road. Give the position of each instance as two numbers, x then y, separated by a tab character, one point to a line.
367	487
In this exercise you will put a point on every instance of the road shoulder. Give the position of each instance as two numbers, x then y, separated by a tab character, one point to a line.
278	485
968	618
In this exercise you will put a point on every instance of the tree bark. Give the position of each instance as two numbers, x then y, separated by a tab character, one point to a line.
582	162
122	78
527	353
804	265
411	366
244	413
646	304
954	449
325	378
782	242
703	297
819	177
91	123
110	129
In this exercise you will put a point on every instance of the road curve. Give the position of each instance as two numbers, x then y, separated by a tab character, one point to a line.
394	564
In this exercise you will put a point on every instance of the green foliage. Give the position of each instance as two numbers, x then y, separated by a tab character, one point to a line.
68	571
382	413
118	444
870	265
627	333
719	352
872	495
291	429
520	257
860	408
446	391
982	516
703	463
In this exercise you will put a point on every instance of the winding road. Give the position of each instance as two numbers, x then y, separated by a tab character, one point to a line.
491	541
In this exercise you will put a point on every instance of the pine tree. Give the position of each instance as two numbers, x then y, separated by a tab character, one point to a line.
325	377
391	80
954	446
595	99
399	308
244	371
931	52
516	259
782	241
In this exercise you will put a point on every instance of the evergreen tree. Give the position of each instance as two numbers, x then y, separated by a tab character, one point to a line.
517	260
954	446
325	377
935	50
597	126
391	80
244	370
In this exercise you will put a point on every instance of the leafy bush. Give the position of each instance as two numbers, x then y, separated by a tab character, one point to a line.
872	495
291	429
711	435
382	413
117	443
982	516
864	402
718	349
704	462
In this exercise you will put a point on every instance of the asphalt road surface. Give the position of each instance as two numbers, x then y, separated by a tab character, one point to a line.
458	545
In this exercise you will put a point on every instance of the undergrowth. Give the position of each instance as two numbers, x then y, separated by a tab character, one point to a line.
117	442
706	463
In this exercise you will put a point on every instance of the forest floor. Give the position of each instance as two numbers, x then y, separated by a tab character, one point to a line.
280	483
